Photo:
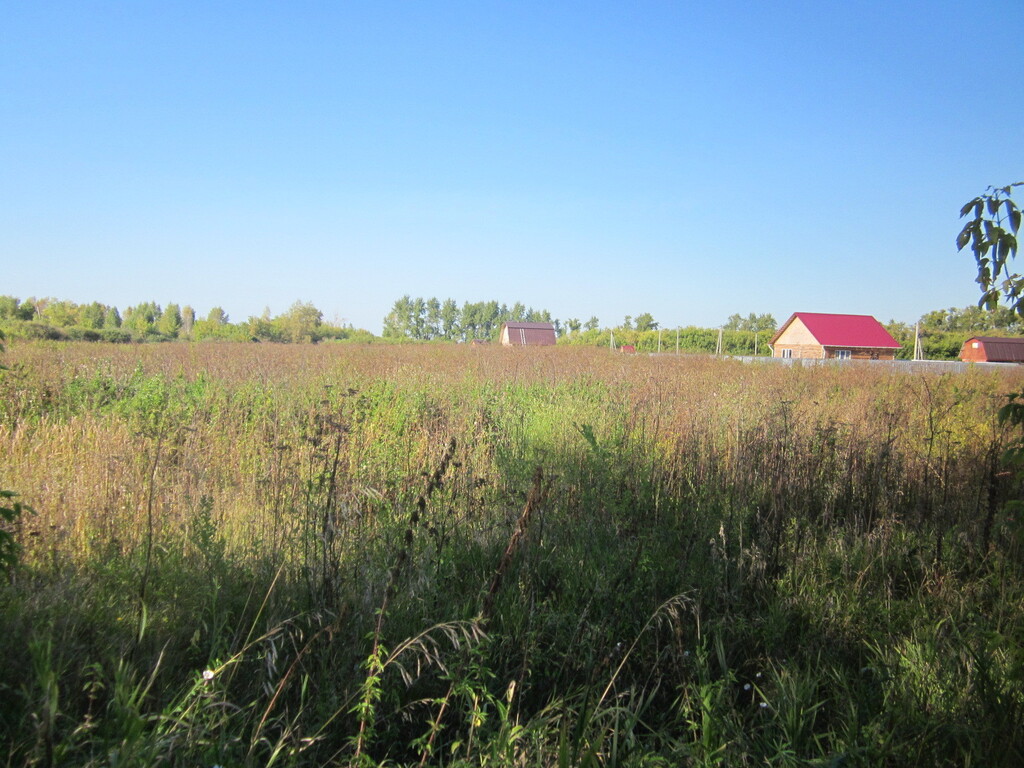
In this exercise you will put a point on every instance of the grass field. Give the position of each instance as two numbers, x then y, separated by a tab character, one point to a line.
245	555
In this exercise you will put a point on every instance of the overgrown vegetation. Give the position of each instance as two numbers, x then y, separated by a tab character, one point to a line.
336	555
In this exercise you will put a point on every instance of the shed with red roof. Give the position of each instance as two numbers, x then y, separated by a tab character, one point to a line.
820	336
993	349
527	334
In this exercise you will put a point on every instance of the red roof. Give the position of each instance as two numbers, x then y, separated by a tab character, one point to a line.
843	330
532	326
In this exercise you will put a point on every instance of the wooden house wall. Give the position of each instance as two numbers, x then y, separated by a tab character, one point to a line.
863	353
973	352
798	351
800	340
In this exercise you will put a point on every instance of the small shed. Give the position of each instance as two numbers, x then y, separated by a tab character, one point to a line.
825	336
993	349
527	334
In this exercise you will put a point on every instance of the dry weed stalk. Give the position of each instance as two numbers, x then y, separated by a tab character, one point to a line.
536	496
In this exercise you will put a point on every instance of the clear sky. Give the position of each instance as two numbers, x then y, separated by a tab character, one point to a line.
687	159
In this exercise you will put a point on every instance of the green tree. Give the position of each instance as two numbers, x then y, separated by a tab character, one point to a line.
91	315
141	319
450	319
761	323
753	322
260	328
971	319
301	322
398	322
433	318
170	321
9	308
491	315
60	313
30	308
111	318
217	317
188	320
592	324
645	322
469	321
419	318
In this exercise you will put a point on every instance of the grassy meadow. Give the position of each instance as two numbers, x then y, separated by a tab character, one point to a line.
259	554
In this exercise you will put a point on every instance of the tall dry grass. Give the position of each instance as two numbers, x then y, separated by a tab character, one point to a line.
261	510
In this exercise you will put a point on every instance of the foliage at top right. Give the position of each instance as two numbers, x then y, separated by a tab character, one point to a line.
992	234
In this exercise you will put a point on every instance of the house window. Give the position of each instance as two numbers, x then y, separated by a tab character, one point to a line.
843	354
974	345
787	353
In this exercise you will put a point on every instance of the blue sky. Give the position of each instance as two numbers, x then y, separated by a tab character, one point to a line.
686	159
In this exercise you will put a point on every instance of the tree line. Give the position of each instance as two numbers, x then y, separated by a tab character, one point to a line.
942	331
431	319
59	319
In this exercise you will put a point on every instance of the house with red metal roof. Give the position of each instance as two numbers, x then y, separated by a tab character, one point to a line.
527	334
821	336
993	349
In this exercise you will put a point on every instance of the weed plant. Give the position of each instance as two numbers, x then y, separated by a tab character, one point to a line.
464	556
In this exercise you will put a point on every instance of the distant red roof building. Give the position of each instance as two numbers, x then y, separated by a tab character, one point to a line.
527	334
827	336
993	349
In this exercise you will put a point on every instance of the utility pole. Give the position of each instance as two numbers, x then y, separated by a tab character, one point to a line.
718	349
677	339
918	351
659	341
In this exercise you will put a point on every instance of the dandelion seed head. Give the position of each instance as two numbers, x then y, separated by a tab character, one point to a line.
746	686
208	675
